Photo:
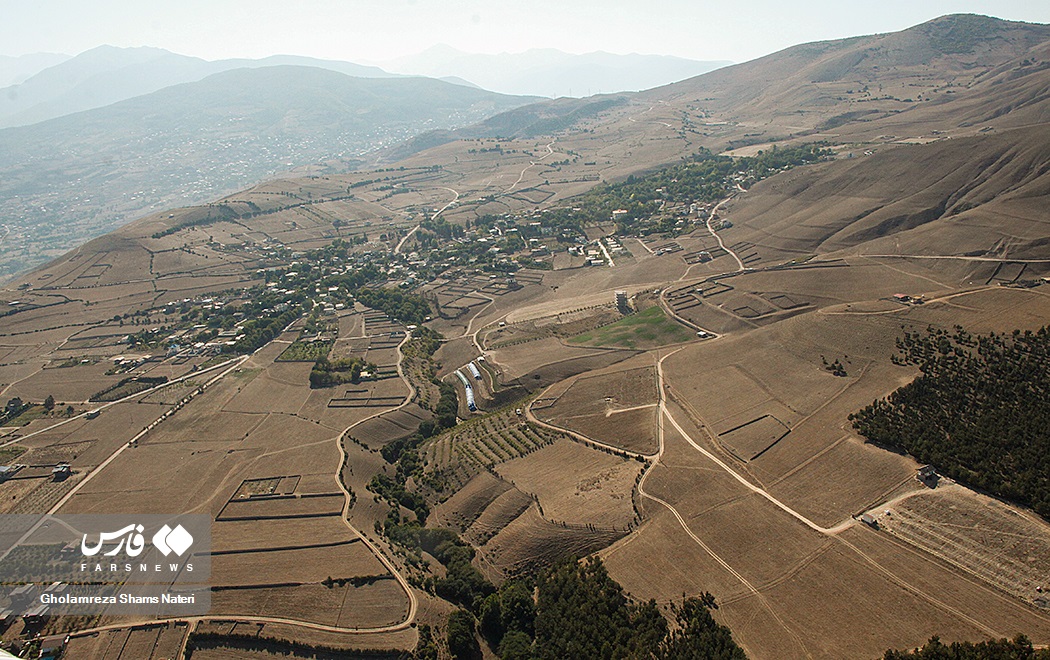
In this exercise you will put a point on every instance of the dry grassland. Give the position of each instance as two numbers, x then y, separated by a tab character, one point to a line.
497	514
301	565
468	502
254	535
1001	545
269	508
155	642
531	542
576	484
379	603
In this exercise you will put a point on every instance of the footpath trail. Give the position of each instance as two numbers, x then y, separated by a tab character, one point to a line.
710	228
401	243
532	164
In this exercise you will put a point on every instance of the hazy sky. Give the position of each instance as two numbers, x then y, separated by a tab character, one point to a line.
360	30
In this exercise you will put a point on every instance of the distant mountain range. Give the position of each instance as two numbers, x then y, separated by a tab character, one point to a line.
15	70
552	73
46	86
107	74
68	179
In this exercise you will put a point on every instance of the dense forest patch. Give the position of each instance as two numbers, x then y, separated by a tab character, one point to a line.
979	411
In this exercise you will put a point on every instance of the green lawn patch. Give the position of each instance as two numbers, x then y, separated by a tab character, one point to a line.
648	328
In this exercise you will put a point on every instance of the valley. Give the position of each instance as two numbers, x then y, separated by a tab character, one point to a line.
633	327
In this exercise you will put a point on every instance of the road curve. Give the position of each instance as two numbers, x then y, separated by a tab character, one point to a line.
401	243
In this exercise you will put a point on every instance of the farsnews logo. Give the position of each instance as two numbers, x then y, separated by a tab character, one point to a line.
130	539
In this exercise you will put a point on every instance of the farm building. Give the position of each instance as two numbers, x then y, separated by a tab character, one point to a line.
474	370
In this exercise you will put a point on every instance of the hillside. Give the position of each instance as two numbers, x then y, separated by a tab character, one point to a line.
981	196
949	77
69	179
14	70
824	85
107	74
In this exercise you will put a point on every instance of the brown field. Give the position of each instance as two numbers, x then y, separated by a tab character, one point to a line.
153	642
301	565
379	603
785	565
498	513
396	641
977	534
596	490
795	576
530	542
379	431
463	508
752	438
633	429
278	389
264	508
256	535
616	408
66	384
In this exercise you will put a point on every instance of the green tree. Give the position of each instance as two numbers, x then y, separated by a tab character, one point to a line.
49	403
516	645
698	635
1020	648
462	643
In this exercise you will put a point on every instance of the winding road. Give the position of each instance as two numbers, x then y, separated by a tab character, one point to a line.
401	243
532	164
721	243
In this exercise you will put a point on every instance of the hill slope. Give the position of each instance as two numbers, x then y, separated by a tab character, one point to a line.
983	196
107	74
826	84
68	179
14	70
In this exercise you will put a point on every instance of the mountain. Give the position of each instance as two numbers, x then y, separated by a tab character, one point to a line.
14	70
107	74
71	178
824	85
550	72
981	196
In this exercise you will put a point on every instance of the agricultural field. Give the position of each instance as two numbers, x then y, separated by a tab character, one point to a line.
565	325
305	351
976	534
150	642
597	490
479	444
615	408
646	329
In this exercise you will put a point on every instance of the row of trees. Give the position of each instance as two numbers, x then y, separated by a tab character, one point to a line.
329	373
1020	648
